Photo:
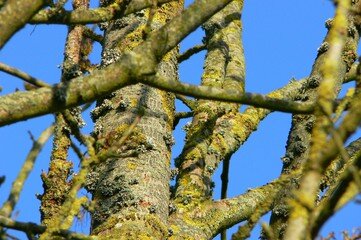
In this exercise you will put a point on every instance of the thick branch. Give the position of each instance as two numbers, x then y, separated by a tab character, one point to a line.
339	164
98	15
134	65
299	138
218	215
14	15
347	127
224	58
326	94
56	181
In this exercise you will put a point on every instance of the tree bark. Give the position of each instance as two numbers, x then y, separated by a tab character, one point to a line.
131	190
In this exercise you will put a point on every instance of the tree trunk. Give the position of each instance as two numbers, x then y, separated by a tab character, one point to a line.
131	188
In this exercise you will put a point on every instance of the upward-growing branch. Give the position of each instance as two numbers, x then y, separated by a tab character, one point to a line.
224	68
307	194
56	182
299	138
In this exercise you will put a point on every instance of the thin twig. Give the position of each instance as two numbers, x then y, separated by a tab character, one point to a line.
86	106
191	104
352	73
228	95
112	152
28	165
77	151
37	229
343	104
2	180
180	115
73	124
224	188
89	33
190	52
267	231
333	199
22	75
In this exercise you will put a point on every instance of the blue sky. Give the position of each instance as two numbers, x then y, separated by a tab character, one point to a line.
280	40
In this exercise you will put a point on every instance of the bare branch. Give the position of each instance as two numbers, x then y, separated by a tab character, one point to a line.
37	229
191	104
190	52
98	15
352	73
180	115
18	184
230	95
14	15
217	215
339	194
22	75
133	65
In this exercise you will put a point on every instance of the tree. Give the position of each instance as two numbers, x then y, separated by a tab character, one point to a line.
127	163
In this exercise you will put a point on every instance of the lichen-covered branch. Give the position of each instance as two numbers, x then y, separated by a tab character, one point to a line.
307	194
14	14
55	182
348	126
57	185
223	68
211	217
98	15
130	66
190	103
190	52
338	165
181	115
299	138
342	190
134	174
18	184
226	138
352	73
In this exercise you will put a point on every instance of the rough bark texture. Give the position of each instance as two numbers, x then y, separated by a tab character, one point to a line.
224	67
56	182
131	189
299	139
126	167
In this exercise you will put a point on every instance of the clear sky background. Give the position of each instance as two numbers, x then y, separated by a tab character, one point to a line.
280	40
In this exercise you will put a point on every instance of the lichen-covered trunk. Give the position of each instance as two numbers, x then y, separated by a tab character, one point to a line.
131	188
